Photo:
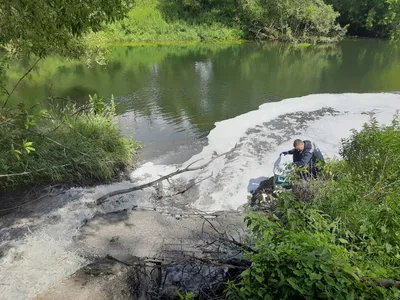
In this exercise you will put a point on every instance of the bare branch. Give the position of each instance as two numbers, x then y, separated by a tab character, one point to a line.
190	186
194	162
102	199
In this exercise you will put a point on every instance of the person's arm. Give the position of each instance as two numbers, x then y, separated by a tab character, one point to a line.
288	152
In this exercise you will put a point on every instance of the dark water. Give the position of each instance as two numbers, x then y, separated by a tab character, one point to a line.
171	96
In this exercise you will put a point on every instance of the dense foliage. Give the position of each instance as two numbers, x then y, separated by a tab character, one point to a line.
210	20
344	244
163	21
379	18
304	20
294	21
42	27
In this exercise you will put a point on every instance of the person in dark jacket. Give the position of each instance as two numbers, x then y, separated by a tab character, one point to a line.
306	154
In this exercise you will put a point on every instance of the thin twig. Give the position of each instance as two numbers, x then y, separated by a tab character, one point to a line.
231	240
190	186
36	171
5	90
19	81
381	188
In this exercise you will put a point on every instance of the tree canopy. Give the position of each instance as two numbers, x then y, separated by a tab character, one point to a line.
379	18
42	27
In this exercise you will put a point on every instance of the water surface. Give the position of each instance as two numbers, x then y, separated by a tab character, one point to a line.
171	96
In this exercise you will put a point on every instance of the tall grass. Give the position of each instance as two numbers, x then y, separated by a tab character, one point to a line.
53	145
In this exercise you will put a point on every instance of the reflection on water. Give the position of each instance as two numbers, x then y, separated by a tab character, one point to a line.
172	95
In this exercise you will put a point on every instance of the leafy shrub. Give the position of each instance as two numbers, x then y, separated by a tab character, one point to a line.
344	244
294	21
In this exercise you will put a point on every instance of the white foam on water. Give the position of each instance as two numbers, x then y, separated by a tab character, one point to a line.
42	258
228	187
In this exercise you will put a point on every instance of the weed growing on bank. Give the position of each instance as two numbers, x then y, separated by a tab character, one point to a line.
56	142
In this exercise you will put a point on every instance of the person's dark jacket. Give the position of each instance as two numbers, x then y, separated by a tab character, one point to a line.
308	157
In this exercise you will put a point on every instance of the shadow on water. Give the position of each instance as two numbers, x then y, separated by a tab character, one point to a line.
254	183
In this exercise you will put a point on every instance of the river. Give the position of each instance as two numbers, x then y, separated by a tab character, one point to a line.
171	96
187	104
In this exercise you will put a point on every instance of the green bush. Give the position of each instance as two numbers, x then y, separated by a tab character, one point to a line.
71	144
344	244
294	21
209	20
157	21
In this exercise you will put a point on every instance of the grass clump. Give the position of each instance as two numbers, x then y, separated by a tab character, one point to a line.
49	144
345	242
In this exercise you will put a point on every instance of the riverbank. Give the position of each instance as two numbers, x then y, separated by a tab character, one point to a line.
157	21
318	21
62	233
51	144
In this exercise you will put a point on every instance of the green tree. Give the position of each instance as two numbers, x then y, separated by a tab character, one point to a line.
303	20
42	27
55	142
379	18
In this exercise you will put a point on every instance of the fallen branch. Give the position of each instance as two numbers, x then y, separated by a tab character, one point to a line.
103	199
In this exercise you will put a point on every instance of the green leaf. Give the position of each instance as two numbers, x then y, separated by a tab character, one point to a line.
388	247
315	276
294	285
329	280
15	152
44	112
325	268
28	146
259	278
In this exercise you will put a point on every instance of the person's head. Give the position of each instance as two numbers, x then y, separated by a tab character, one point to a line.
299	145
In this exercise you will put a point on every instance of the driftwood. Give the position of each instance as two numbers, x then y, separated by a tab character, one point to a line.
104	198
